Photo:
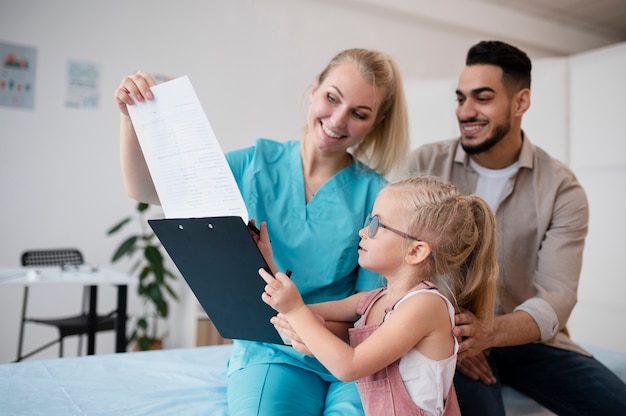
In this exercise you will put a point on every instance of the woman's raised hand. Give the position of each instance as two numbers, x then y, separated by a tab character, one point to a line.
135	86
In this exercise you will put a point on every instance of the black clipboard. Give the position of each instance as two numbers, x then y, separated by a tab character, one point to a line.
219	260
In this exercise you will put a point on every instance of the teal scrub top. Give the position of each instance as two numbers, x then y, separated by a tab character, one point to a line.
317	241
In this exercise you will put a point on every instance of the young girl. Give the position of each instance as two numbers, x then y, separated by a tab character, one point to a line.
436	249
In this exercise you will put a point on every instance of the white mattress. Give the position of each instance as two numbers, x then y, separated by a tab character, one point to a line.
166	382
188	382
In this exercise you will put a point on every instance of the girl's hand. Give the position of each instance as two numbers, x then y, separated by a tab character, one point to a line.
282	325
281	293
135	86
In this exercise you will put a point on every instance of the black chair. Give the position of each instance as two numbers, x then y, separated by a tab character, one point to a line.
67	326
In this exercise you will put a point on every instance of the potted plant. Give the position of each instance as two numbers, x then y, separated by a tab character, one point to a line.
144	249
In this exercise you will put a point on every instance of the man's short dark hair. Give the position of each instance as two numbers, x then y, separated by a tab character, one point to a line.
515	64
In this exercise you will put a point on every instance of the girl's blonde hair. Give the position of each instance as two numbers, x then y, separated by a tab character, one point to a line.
385	148
461	232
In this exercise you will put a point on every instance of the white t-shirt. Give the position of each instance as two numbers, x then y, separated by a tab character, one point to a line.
492	182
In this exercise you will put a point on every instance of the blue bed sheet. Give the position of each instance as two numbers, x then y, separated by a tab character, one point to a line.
186	381
166	382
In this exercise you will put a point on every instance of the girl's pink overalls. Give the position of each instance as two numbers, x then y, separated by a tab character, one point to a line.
383	393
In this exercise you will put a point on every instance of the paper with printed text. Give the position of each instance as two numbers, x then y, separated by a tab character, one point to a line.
187	164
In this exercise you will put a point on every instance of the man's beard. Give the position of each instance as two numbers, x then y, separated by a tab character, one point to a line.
499	132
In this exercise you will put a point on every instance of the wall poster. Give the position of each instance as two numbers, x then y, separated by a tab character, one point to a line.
17	75
83	80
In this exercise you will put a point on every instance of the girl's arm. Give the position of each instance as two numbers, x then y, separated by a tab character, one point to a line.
342	310
416	318
337	316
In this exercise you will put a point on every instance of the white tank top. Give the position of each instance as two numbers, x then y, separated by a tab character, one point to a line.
428	380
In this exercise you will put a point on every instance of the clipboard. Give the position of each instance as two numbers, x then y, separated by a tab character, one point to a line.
219	260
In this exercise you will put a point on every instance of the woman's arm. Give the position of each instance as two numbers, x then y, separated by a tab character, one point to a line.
135	173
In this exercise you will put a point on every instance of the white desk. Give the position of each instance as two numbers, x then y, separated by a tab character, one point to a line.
80	275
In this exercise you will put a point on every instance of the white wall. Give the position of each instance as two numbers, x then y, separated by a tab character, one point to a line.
598	156
250	62
432	106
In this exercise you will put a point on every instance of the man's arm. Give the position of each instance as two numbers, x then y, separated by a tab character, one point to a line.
555	277
475	336
514	328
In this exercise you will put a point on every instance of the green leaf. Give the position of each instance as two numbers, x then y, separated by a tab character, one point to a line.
170	291
118	226
132	337
162	308
142	323
154	291
145	272
144	343
124	248
154	256
170	274
141	289
141	207
155	259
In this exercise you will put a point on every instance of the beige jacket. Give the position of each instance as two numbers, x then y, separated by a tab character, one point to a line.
542	223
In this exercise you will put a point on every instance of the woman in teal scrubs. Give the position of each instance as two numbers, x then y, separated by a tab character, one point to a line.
314	194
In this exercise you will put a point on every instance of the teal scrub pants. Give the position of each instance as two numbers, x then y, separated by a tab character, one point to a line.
286	390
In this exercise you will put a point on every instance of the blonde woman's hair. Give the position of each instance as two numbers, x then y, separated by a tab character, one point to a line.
385	148
461	232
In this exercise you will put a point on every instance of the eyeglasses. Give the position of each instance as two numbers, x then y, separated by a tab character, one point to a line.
373	224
